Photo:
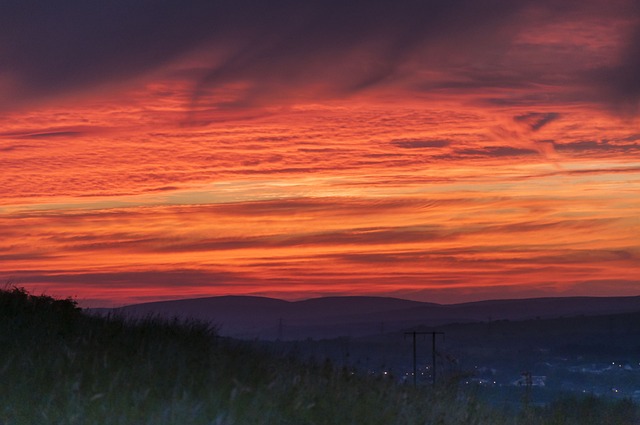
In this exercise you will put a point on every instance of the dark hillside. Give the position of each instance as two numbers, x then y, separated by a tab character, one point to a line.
61	366
330	317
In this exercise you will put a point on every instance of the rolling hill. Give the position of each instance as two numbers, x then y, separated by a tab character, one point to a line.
252	317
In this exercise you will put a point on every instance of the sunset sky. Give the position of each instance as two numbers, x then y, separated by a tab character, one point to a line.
436	150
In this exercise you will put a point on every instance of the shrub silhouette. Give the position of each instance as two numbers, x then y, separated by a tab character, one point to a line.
17	301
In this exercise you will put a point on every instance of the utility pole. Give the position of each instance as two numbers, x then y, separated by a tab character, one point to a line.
414	333
528	382
433	353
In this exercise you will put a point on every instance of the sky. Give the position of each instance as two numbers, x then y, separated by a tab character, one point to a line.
435	150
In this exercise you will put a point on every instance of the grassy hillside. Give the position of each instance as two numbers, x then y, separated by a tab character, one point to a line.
60	366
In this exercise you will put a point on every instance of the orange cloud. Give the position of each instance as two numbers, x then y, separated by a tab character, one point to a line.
441	163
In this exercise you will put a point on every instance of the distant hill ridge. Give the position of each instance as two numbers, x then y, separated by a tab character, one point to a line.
269	318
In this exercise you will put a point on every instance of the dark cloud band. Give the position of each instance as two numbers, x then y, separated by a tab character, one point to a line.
318	47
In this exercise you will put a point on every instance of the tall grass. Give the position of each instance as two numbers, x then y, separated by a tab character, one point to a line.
61	366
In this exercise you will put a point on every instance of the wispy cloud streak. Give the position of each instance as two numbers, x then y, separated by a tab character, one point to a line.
441	150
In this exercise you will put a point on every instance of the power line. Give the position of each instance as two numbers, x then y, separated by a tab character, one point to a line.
433	353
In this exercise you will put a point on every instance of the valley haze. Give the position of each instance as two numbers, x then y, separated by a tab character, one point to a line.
568	345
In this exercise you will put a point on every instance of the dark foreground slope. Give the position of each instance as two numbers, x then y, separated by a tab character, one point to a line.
330	317
59	366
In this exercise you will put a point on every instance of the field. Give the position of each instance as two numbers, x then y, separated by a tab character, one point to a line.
59	365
